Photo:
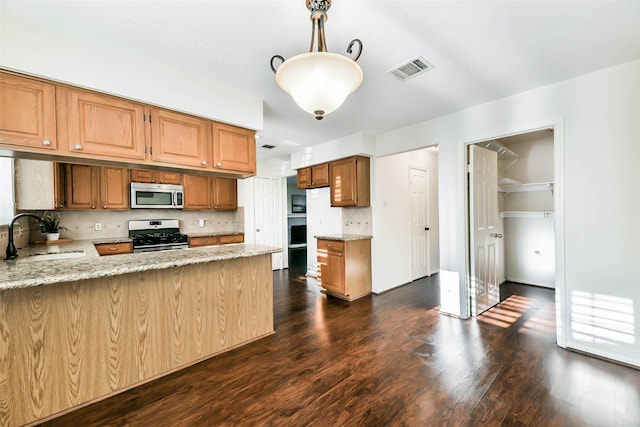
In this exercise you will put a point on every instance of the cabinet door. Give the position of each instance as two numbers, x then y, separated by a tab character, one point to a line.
35	184
234	148
232	238
179	139
100	125
224	194
141	175
27	113
81	186
196	192
196	242
343	182
114	188
169	177
332	272
304	178
320	175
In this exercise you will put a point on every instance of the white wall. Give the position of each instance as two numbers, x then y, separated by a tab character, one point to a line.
321	219
35	50
597	197
391	245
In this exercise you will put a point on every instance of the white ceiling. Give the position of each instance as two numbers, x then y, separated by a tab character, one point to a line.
482	50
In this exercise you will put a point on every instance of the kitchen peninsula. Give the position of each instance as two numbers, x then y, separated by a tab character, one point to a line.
78	330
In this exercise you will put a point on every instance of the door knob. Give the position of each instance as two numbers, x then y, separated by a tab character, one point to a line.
426	229
497	236
258	230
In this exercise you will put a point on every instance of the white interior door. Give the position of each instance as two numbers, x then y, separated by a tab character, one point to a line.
418	188
268	216
485	231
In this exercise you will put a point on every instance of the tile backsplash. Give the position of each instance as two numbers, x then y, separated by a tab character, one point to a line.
357	221
20	235
114	224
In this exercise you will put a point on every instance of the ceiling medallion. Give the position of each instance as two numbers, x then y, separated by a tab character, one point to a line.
319	82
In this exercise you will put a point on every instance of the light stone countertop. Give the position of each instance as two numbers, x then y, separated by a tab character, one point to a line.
25	272
345	237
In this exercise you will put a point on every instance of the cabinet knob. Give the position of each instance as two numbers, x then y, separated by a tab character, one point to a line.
93	206
46	142
209	207
104	207
77	147
204	163
219	164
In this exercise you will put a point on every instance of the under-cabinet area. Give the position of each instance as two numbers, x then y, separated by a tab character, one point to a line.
526	207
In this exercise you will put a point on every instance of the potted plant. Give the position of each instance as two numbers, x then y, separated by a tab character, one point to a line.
51	225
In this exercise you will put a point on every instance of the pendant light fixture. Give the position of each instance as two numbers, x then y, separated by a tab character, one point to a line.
319	82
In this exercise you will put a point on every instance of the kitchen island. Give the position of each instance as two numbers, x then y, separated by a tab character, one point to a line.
81	329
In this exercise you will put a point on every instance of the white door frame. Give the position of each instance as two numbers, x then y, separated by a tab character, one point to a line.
562	315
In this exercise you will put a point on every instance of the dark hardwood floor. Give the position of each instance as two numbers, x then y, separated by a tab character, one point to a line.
388	360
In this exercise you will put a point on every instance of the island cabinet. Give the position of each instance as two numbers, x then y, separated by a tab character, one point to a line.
153	177
70	343
210	193
96	187
344	267
350	182
234	149
94	125
314	176
27	113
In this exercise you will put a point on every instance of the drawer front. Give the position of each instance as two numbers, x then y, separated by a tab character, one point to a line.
115	248
195	242
234	238
330	245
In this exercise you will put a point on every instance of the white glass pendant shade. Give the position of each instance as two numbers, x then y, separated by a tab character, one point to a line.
319	82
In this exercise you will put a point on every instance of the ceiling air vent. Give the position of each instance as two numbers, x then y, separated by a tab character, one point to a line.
268	146
412	68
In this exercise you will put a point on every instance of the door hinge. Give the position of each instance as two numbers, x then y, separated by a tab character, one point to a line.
144	117
151	150
468	167
149	117
145	149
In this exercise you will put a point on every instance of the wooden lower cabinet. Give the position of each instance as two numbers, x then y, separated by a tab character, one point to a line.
344	267
196	242
114	248
210	193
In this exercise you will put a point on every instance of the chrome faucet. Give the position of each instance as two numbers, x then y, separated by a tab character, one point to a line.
12	252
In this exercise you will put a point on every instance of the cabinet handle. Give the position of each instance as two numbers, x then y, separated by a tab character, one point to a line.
113	249
219	164
46	142
77	147
204	163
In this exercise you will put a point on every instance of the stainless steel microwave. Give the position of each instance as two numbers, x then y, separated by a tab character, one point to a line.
156	196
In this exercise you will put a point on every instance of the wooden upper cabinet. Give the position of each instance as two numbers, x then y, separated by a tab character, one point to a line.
114	188
224	194
350	182
179	139
96	187
196	192
234	149
97	125
38	185
314	176
27	112
210	193
81	186
152	177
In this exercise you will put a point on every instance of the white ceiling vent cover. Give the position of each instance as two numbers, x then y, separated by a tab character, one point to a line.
411	68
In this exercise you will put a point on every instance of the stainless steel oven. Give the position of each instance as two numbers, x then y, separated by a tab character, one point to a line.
156	196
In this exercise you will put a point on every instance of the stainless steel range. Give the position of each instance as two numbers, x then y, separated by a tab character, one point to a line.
156	235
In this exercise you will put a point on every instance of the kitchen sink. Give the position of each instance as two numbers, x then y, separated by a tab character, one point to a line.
50	256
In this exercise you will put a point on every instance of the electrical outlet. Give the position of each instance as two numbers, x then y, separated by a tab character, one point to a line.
97	226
